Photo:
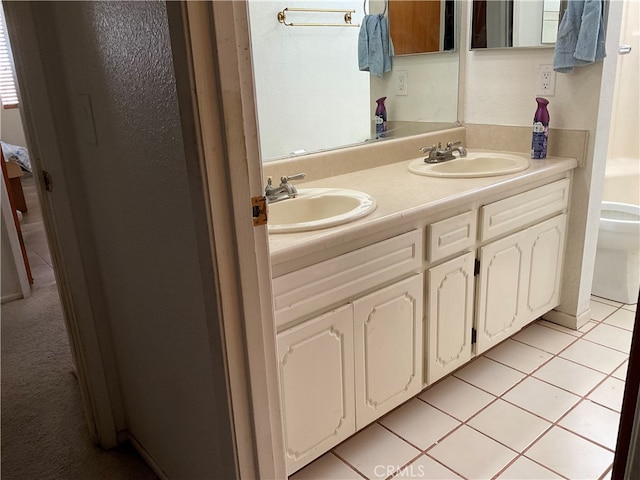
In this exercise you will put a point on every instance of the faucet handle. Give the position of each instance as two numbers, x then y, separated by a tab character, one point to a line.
452	144
428	149
295	176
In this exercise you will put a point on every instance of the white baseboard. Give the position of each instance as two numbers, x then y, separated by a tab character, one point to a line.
147	458
11	297
567	320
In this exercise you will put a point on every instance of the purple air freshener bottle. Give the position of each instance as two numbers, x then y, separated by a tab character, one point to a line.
540	130
381	118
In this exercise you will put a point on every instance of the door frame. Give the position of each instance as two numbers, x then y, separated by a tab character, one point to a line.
226	120
221	113
77	279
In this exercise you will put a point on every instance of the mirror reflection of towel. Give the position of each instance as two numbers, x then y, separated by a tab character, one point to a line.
581	35
375	48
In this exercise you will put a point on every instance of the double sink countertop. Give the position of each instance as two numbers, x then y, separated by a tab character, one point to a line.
405	199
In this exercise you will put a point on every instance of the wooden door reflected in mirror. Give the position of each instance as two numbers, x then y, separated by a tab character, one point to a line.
421	26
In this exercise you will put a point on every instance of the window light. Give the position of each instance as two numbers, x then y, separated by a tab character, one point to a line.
8	90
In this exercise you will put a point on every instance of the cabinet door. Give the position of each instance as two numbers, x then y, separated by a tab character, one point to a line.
545	267
501	285
519	280
388	348
316	385
449	316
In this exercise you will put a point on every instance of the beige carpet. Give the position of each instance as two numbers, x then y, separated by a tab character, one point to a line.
44	435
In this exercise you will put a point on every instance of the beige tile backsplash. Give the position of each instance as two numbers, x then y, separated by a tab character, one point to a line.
359	157
562	143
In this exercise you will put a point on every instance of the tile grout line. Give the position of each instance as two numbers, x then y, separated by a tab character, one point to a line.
521	455
445	466
606	472
335	454
403	467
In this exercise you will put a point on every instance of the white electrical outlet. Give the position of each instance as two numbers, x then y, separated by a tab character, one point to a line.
402	83
546	80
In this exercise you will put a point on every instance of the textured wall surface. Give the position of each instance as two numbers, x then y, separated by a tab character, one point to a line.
119	124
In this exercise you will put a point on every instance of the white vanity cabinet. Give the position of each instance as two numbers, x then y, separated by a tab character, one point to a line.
342	369
361	332
519	276
450	295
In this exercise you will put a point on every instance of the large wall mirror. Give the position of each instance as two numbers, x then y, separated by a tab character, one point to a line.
515	23
310	94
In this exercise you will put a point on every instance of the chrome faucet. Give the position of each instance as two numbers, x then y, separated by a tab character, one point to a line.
284	190
436	154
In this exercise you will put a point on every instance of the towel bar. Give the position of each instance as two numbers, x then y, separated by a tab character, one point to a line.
347	18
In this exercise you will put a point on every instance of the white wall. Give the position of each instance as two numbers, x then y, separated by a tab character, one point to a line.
622	175
432	88
500	88
10	132
139	221
14	283
526	31
10	282
11	127
310	93
626	108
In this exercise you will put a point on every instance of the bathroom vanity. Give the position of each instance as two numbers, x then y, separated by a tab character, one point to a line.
370	313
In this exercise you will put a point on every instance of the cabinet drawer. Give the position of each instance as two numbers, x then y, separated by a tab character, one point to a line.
523	209
451	235
327	283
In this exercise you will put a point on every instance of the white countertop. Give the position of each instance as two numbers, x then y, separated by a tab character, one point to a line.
403	197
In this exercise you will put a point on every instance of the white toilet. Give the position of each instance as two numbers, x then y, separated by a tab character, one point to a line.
617	269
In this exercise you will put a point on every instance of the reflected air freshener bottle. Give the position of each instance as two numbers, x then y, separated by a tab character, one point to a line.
381	118
540	129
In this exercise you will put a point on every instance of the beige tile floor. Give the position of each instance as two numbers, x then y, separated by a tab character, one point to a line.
544	404
34	236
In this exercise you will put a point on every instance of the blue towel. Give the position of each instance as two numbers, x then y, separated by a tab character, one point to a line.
581	36
374	45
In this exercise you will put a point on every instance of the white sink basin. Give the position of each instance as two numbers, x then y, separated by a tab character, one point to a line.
475	164
316	208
